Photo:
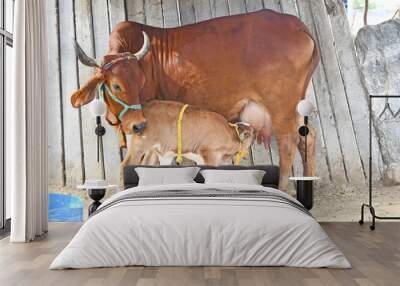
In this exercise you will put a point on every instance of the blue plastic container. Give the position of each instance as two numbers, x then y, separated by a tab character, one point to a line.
65	208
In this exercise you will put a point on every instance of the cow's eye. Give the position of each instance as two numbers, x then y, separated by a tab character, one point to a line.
117	87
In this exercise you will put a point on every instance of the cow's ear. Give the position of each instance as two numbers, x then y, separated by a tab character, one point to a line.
113	121
86	93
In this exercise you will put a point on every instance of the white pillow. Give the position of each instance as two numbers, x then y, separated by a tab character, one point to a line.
166	176
248	177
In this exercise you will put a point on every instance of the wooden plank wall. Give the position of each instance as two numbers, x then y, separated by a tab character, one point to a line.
337	88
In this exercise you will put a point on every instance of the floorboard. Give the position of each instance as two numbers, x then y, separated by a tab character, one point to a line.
375	257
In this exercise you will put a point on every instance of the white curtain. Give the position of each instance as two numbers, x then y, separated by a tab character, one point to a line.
26	119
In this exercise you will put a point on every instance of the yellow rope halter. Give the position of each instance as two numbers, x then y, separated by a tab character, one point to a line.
179	156
241	153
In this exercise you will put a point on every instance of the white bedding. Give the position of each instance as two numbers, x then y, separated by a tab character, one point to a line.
183	231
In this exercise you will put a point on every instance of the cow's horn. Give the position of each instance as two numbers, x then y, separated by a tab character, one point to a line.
84	59
144	49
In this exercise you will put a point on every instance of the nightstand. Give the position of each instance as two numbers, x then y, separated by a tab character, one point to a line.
304	190
96	190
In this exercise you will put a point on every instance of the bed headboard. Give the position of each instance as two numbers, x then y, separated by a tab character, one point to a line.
270	179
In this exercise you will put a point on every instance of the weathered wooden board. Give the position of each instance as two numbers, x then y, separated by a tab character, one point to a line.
202	10
170	13
272	4
321	156
260	155
290	7
55	141
237	7
186	11
74	168
153	12
219	8
327	120
117	11
84	36
274	154
357	94
135	10
351	155
101	30
254	5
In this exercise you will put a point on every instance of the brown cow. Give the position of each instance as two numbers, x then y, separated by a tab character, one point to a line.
218	65
207	138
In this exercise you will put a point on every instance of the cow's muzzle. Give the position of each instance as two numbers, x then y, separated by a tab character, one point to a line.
138	128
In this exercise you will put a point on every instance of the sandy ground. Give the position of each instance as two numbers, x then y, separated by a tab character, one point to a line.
330	203
345	204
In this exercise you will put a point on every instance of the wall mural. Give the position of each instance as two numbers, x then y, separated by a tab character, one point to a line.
337	89
223	82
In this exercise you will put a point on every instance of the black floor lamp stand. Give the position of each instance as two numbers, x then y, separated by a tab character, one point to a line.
370	202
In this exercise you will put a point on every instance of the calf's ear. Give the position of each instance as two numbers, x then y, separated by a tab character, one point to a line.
245	130
86	93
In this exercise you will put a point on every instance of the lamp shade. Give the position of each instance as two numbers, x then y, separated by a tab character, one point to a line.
305	107
98	107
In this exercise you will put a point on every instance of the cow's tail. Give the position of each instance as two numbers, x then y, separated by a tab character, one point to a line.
315	59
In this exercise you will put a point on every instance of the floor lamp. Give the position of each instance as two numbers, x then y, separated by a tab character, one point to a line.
304	185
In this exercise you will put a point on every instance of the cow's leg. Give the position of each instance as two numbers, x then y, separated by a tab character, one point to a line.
287	144
309	164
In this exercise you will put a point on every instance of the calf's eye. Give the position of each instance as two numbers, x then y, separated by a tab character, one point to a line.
117	87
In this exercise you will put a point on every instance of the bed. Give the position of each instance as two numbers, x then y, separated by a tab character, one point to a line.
198	224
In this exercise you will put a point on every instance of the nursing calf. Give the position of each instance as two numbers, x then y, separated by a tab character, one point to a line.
207	137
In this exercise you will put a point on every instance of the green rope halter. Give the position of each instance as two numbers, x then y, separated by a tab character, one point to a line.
119	101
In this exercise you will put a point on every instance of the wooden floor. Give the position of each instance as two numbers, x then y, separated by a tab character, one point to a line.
375	257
